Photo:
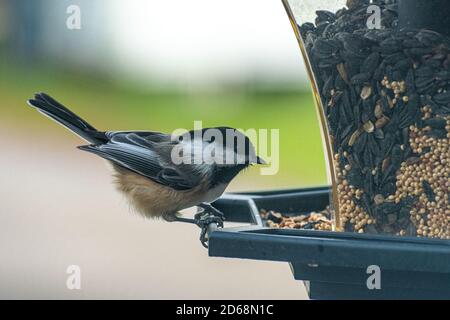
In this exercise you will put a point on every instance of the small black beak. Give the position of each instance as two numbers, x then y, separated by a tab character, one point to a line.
260	160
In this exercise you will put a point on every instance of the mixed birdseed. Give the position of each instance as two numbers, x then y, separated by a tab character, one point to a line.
311	221
386	96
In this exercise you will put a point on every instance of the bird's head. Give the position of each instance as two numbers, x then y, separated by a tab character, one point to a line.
234	150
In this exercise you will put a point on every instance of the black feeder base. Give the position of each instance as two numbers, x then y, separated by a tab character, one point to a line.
332	265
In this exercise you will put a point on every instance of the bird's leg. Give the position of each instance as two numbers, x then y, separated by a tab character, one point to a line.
203	219
174	217
206	216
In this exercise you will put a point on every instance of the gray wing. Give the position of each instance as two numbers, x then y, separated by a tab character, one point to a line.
145	153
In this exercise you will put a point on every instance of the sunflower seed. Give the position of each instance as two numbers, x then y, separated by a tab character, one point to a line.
342	72
369	127
381	122
378	112
354	137
366	92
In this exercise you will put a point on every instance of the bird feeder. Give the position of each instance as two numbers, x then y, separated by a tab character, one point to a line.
380	75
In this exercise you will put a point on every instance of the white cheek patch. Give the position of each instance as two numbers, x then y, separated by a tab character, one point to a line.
215	193
202	153
215	154
232	157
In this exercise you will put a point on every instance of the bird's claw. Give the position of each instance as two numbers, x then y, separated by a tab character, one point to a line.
207	208
206	217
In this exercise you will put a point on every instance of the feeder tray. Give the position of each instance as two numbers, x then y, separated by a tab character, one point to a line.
332	265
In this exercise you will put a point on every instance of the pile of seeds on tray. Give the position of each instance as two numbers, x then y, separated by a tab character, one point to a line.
386	96
311	221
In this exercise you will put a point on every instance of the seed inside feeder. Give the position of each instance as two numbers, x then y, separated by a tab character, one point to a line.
309	221
389	120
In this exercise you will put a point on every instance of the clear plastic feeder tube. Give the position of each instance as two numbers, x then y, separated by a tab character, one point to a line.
380	74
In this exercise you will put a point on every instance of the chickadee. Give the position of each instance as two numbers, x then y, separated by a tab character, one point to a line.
145	172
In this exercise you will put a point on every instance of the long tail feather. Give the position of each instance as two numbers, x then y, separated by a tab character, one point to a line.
56	111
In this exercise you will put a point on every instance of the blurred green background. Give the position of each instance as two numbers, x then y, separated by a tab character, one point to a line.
130	68
81	71
112	106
